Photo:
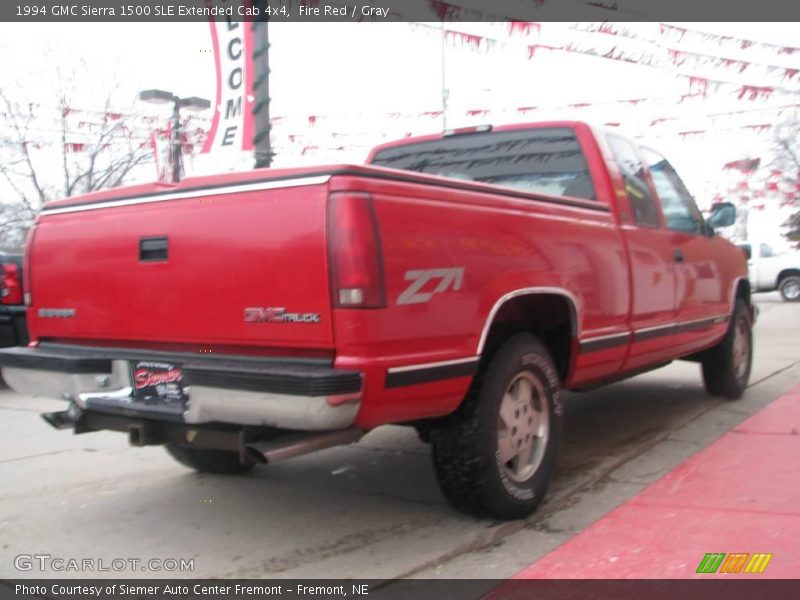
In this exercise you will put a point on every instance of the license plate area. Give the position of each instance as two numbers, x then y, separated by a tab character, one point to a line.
158	384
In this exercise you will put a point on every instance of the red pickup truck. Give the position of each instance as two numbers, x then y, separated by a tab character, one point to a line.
457	283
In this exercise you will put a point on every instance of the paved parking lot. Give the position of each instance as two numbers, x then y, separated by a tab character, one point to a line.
371	510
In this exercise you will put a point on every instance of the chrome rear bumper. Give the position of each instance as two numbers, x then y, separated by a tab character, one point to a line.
285	394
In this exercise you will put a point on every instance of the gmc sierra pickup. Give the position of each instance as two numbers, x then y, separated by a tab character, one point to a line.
457	283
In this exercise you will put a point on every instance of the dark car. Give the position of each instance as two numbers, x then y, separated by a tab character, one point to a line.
13	330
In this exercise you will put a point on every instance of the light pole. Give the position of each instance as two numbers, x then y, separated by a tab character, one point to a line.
189	103
262	148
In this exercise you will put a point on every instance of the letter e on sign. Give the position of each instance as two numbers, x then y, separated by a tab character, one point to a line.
230	133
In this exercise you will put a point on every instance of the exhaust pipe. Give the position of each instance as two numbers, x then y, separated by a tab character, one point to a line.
63	419
290	446
136	436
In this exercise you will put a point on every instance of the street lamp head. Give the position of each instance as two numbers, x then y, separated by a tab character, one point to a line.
157	97
194	103
190	103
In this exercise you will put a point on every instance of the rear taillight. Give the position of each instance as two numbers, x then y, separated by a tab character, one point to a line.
10	288
26	267
354	252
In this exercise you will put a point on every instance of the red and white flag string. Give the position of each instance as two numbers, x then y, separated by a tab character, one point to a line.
320	121
757	128
680	34
668	36
684	34
318	126
624	44
697	83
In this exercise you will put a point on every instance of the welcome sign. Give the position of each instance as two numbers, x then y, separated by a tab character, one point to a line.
232	42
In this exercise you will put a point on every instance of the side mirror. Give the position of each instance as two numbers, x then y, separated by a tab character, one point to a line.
722	215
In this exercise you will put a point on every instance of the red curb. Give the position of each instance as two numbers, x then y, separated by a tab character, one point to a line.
741	494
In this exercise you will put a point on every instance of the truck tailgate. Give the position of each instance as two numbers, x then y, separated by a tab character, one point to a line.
247	268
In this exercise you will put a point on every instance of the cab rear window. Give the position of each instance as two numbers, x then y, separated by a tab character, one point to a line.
544	160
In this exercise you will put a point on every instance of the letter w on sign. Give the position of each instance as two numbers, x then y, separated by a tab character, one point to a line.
446	279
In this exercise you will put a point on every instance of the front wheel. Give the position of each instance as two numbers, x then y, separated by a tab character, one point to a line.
790	288
494	457
726	366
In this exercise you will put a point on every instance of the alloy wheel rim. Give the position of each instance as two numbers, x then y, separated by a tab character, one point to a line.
523	427
791	290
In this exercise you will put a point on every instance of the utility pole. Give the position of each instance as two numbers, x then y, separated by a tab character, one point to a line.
175	149
262	148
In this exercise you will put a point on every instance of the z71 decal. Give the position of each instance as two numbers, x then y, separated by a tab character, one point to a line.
448	279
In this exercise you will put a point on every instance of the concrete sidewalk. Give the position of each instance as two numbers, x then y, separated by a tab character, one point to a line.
740	495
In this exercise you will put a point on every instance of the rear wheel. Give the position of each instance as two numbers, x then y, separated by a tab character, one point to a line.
790	288
204	460
726	366
495	456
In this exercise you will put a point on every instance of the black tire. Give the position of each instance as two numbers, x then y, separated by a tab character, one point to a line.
466	448
725	370
789	288
203	460
424	434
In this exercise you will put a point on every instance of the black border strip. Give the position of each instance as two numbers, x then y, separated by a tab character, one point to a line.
593	345
39	358
701	324
431	11
311	382
643	336
113	353
400	176
676	328
430	374
463	589
135	410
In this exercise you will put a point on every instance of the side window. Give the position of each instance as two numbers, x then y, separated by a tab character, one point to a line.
680	211
632	169
766	251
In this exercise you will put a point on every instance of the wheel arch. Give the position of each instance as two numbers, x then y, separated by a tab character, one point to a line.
741	289
550	312
791	272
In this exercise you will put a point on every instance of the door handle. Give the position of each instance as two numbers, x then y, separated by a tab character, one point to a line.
678	255
153	249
